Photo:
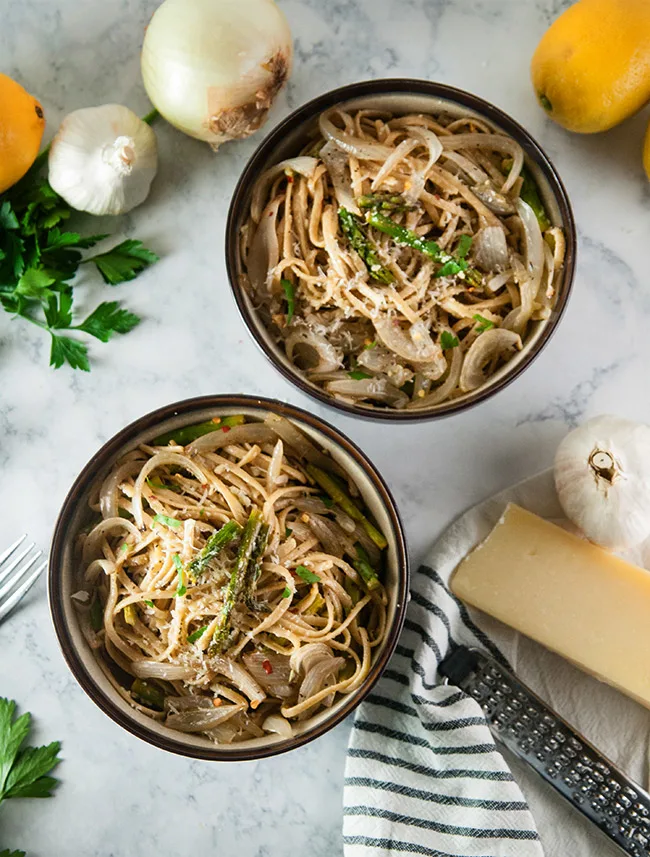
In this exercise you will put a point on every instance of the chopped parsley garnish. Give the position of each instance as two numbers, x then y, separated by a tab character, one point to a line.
174	523
149	603
448	340
307	575
182	589
463	248
287	532
194	636
483	323
290	294
286	592
358	375
370	345
124	547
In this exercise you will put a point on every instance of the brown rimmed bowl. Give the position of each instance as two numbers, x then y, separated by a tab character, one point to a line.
399	96
64	575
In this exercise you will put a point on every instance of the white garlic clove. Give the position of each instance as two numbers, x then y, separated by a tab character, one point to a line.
602	477
103	159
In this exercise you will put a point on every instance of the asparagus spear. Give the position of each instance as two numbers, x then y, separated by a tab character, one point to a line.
401	235
384	202
214	545
130	614
290	294
331	487
351	226
365	569
237	579
183	436
148	694
255	567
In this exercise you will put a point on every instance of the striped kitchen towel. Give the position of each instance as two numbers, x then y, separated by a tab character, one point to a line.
423	775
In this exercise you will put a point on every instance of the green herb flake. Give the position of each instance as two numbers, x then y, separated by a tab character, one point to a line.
358	375
483	323
124	547
24	771
287	532
182	588
370	345
286	592
149	603
464	245
194	636
326	500
307	575
448	340
290	294
174	523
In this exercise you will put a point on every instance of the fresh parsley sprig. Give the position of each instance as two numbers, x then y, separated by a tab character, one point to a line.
24	771
39	259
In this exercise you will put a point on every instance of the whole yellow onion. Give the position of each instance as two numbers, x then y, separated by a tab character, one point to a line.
212	68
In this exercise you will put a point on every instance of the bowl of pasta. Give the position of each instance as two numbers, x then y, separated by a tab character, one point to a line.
400	249
228	577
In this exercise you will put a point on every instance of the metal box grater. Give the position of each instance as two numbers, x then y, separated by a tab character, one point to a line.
524	723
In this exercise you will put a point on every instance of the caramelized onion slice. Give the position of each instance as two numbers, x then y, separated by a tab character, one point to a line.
485	348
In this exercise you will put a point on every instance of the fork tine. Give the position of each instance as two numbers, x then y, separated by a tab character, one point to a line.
20	574
16	562
4	556
7	606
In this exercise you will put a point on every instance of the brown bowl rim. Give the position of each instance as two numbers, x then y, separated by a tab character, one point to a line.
388	86
103	457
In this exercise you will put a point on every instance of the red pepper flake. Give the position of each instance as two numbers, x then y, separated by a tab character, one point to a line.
267	666
290	179
436	196
225	429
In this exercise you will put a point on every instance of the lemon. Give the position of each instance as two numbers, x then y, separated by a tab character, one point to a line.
591	69
21	130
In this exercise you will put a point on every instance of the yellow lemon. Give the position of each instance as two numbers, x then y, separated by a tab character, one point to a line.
591	69
21	130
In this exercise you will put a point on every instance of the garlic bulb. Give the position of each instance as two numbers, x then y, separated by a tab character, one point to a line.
602	477
213	67
103	159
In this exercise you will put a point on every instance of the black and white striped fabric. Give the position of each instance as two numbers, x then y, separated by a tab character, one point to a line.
423	775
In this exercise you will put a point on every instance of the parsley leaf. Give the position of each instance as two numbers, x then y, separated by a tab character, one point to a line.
149	603
35	283
182	589
108	319
483	323
58	310
290	294
286	592
448	340
123	262
66	350
23	772
174	523
358	375
8	219
57	239
464	244
307	575
8	853
194	636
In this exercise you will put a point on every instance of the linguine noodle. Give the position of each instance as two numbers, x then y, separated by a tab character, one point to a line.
234	577
400	261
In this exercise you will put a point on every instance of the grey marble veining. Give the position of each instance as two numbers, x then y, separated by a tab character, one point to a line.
120	797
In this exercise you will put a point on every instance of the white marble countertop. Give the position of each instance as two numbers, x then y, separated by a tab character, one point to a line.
116	789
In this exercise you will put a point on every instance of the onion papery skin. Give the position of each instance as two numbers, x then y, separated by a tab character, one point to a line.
213	68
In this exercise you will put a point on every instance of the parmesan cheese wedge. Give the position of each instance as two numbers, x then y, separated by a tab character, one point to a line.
567	594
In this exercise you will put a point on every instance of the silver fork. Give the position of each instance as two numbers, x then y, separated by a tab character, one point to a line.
17	573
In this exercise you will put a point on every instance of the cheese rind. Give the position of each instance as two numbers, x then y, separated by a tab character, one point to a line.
589	606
